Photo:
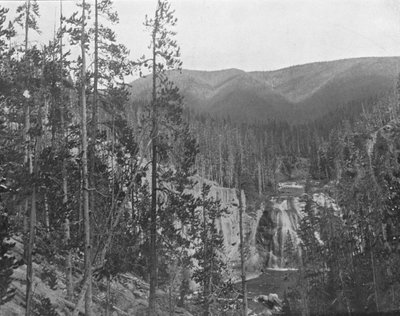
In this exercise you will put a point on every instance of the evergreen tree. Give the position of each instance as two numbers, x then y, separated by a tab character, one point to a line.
211	268
42	307
7	261
290	252
27	18
240	182
85	175
165	101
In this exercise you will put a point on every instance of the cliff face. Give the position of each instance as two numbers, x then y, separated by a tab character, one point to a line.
267	229
280	221
228	225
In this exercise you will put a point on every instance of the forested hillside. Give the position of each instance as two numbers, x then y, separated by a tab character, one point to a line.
164	195
297	94
320	99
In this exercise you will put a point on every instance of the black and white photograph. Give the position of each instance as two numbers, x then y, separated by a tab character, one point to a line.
199	157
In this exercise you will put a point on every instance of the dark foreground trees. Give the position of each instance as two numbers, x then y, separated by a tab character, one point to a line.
45	160
211	267
166	121
350	253
72	162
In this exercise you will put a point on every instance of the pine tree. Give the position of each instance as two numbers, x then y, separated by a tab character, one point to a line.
7	261
290	251
27	17
165	56
86	211
211	267
42	307
240	181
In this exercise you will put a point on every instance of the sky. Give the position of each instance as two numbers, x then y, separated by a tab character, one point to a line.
256	34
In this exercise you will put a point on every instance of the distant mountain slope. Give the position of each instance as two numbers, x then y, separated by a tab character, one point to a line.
297	93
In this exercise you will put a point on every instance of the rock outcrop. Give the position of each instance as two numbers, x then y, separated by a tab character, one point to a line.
266	229
280	221
129	294
228	225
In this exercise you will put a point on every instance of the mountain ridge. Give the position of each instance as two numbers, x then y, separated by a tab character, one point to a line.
295	93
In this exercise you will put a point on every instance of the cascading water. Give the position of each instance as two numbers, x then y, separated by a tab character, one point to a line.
267	229
280	221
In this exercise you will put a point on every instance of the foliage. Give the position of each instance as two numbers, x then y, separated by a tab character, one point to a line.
290	252
7	261
49	276
211	268
42	306
28	13
348	255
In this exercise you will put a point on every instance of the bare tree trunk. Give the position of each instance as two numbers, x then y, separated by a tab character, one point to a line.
27	126
96	72
68	260
108	296
29	224
153	210
304	292
259	178
94	123
210	280
86	211
32	219
46	214
241	235
242	254
67	229
109	239
29	263
374	280
207	281
220	176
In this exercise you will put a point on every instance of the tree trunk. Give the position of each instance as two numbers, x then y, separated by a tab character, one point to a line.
29	224
220	175
104	252
67	227
108	296
94	123
242	254
207	281
29	265
374	280
46	214
32	219
96	72
26	137
241	235
86	212
153	210
259	178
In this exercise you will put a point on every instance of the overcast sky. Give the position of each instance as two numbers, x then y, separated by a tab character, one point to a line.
258	34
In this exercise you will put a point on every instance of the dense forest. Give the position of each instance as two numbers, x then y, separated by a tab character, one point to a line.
74	186
96	186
